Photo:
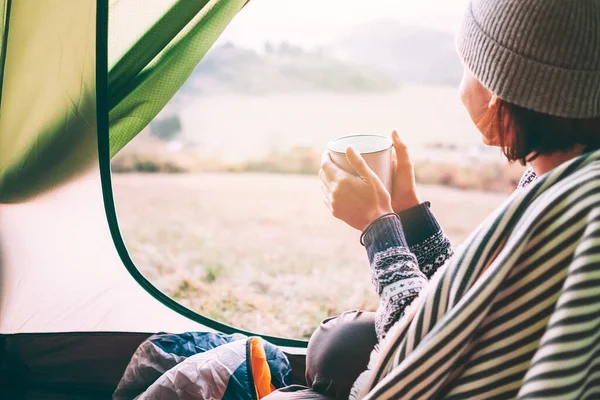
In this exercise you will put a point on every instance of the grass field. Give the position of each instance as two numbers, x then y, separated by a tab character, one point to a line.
260	251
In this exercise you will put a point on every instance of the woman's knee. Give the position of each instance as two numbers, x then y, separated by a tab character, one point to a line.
339	351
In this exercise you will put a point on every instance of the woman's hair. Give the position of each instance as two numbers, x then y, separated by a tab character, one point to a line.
523	135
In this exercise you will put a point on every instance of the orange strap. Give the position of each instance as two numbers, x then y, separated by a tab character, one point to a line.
260	368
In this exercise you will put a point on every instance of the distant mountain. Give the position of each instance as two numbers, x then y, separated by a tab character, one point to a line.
406	53
281	68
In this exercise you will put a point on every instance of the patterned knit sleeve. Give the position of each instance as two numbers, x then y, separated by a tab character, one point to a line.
425	238
395	272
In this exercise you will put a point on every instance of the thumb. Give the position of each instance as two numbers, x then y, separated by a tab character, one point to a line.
359	164
400	148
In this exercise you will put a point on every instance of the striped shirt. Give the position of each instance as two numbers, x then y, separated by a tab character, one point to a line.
515	313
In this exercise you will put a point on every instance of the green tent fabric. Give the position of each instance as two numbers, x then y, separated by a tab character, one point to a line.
151	71
48	109
78	80
48	95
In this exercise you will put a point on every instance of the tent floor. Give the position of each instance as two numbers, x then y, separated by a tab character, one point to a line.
81	365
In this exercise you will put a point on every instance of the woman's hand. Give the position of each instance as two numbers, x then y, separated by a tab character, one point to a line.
357	199
404	190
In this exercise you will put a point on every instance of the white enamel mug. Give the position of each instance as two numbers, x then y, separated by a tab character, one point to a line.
375	149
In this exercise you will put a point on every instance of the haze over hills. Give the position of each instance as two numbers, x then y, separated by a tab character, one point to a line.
281	68
376	77
374	57
408	54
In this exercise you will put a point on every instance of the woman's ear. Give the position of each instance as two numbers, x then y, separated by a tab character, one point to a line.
489	125
494	102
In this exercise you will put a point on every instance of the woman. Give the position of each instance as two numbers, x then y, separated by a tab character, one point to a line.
515	313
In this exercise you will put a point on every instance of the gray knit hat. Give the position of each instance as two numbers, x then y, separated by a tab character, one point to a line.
543	55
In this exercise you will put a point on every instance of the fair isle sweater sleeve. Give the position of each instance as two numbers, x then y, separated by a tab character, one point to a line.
404	253
394	272
425	238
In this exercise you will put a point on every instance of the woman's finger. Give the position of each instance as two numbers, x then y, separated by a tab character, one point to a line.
326	191
360	165
327	203
333	173
325	157
399	145
401	150
326	160
328	166
398	141
326	180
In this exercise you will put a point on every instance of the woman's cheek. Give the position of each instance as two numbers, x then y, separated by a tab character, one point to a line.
476	99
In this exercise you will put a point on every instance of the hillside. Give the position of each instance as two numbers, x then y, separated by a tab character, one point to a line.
282	68
375	57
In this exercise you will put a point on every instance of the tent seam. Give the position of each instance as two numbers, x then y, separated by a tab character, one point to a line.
4	44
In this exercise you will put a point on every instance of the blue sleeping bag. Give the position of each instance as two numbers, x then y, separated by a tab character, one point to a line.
203	365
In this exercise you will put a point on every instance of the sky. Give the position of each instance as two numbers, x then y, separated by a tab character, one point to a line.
310	23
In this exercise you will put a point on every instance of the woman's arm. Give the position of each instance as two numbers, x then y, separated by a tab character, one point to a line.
395	272
360	198
425	238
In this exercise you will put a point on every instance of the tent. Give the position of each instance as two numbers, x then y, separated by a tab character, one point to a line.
78	80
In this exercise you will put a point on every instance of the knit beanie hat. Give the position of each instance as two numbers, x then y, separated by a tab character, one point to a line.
543	55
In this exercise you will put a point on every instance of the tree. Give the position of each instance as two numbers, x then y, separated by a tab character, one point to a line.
166	128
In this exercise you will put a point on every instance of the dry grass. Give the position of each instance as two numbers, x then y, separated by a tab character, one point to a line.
489	174
260	251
